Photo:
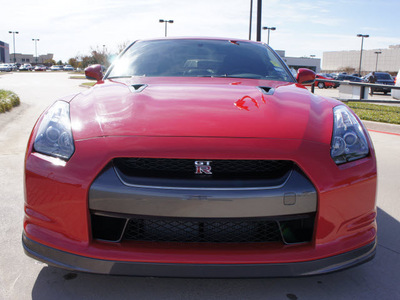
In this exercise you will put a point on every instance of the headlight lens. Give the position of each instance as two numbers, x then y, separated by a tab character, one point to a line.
348	140
54	136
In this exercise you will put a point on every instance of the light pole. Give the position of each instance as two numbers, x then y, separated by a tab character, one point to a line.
269	29
251	17
36	40
362	36
377	53
14	33
166	21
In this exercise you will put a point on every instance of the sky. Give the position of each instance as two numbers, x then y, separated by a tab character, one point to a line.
303	27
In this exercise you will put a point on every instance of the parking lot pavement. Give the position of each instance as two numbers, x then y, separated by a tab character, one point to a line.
334	93
24	278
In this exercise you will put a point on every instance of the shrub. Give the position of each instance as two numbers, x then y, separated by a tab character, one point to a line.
8	100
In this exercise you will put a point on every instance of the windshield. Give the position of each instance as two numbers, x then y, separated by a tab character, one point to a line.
383	76
200	58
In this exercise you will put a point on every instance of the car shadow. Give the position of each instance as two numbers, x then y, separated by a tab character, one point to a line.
377	279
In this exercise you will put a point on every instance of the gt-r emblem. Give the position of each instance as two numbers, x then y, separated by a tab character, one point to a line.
203	167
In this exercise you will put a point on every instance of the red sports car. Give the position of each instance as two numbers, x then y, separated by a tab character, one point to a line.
200	158
324	85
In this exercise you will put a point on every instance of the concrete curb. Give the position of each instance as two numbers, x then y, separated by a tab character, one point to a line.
382	127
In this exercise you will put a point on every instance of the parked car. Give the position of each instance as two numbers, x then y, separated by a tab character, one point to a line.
226	167
382	78
396	93
68	68
26	67
14	67
40	68
5	68
324	85
56	68
352	78
345	77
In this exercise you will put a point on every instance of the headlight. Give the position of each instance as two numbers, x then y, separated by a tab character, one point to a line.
348	140
54	136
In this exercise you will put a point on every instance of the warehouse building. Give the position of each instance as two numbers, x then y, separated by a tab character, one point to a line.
381	60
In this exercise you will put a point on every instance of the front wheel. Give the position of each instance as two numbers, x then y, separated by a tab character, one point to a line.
321	85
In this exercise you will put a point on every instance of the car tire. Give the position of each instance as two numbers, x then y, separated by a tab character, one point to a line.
321	85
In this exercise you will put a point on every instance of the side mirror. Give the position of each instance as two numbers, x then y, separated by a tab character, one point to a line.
94	73
305	76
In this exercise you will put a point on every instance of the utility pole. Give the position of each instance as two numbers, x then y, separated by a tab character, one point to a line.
259	9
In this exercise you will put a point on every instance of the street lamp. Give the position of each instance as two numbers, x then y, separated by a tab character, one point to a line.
36	40
14	33
166	21
362	36
377	53
269	29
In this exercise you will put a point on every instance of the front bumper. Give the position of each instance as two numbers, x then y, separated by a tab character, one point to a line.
70	261
61	198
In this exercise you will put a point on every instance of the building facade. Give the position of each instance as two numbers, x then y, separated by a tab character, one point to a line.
296	63
4	52
388	60
30	59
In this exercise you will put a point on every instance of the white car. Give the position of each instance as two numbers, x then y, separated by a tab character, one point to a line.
68	68
56	68
26	67
396	93
5	68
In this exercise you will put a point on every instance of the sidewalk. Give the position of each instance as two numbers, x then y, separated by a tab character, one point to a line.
382	127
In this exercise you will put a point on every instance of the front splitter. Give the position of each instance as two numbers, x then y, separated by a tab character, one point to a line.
75	262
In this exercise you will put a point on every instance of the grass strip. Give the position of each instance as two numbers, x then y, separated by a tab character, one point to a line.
8	100
376	112
91	83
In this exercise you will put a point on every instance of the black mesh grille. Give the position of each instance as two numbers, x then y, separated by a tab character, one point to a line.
185	168
207	230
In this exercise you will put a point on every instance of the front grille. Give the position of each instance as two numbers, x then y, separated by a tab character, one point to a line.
185	168
117	228
202	231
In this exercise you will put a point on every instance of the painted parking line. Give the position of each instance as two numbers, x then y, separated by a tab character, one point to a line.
385	132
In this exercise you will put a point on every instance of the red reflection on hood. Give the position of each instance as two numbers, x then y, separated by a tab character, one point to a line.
242	101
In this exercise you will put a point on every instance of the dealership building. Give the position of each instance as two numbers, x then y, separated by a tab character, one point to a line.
4	53
301	62
30	59
381	60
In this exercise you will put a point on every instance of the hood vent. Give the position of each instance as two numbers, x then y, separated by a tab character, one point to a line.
266	90
137	88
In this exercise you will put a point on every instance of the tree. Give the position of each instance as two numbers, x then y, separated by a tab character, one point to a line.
73	61
49	62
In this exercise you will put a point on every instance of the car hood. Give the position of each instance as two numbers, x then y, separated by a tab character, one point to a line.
201	107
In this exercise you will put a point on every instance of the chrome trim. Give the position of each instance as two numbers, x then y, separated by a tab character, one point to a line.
109	194
203	188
